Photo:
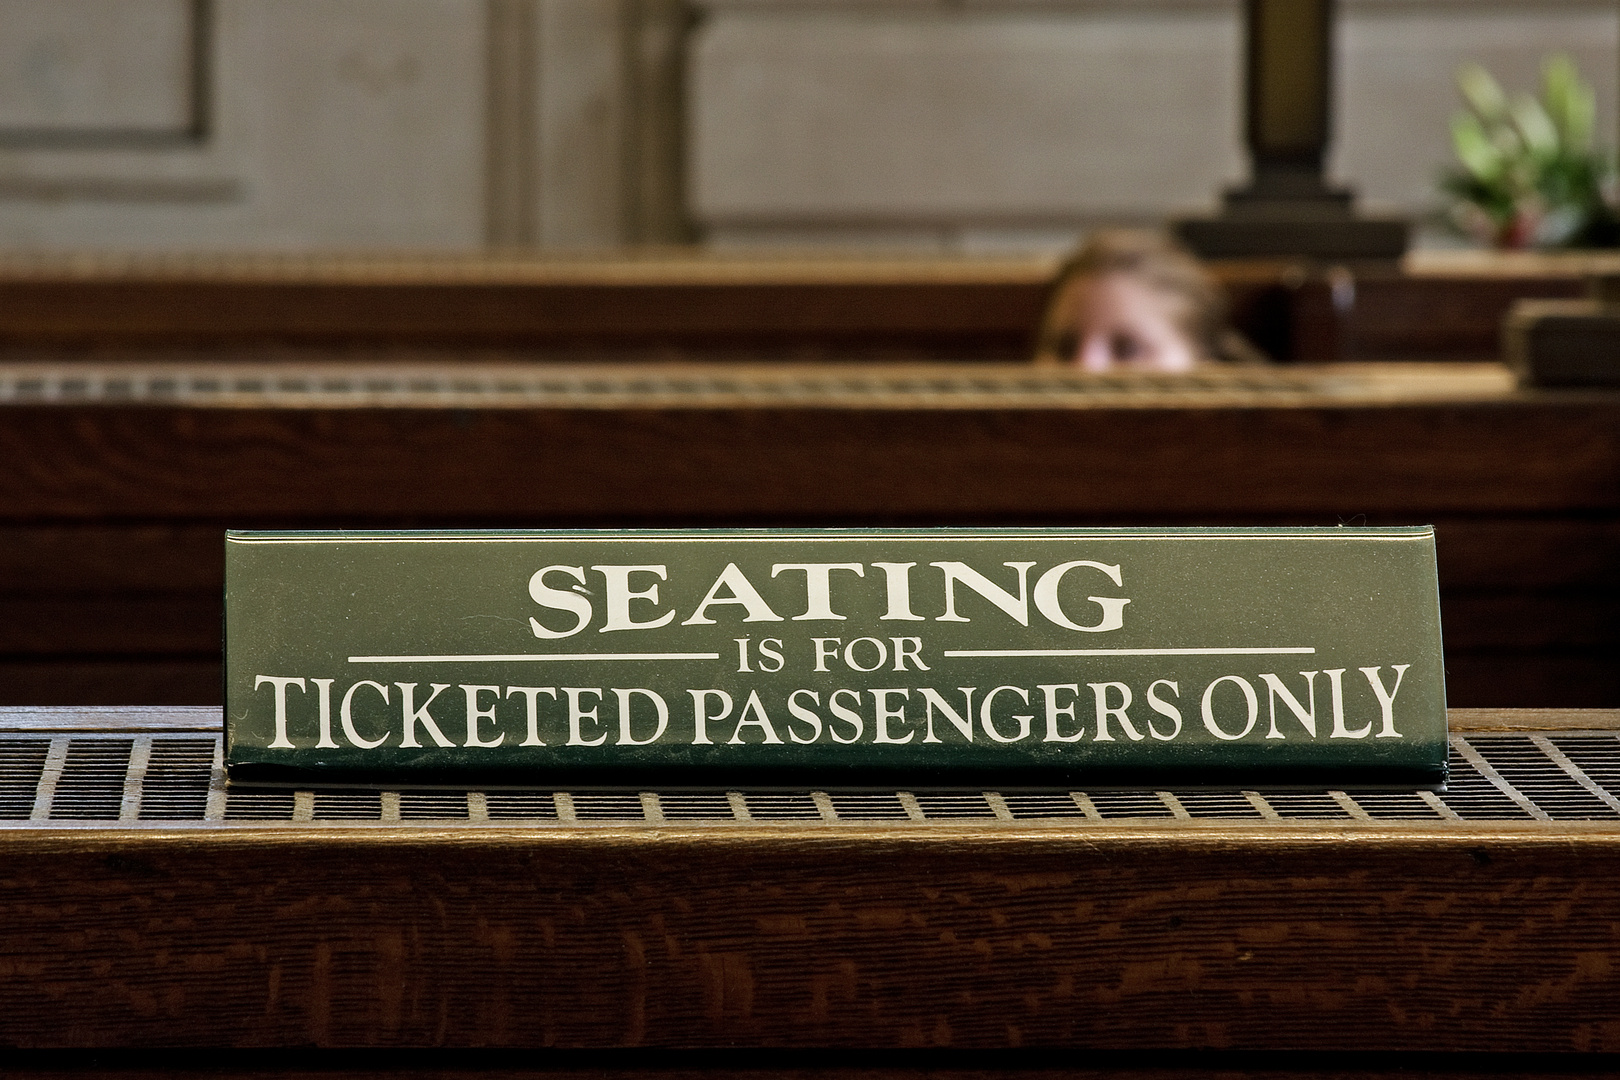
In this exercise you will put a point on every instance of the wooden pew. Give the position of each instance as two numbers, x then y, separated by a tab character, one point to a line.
693	307
117	482
1438	306
649	308
145	905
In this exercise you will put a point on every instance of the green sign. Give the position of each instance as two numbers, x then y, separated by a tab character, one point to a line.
917	658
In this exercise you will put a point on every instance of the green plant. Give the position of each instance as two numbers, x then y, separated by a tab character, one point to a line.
1531	174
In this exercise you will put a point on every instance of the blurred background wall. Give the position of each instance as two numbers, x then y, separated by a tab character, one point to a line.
931	125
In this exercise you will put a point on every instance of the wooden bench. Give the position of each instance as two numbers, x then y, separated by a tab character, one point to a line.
707	307
116	483
145	903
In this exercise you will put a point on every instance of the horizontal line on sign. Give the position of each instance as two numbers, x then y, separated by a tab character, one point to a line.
1288	650
514	658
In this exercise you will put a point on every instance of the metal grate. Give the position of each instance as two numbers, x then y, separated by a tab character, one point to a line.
608	806
1024	805
886	806
521	806
696	806
1218	804
943	805
775	807
260	805
354	805
1400	807
1132	804
22	762
1473	795
91	783
178	775
245	382
1306	805
95	777
433	806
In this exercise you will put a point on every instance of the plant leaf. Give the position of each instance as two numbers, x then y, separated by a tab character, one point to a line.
1478	154
1530	170
1482	92
1571	103
1537	129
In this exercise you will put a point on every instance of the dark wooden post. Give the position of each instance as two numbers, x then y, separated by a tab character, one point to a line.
1288	208
1288	94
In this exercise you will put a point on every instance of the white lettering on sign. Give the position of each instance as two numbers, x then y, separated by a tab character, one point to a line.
280	682
619	595
576	719
739	591
1055	712
630	598
818	586
1046	598
1016	607
559	600
1165	709
476	714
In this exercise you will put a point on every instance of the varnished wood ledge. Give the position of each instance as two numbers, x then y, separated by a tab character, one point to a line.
819	839
1137	938
1533	719
1396	936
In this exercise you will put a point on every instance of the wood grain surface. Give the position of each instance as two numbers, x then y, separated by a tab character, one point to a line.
1466	720
1389	316
943	308
111	517
1446	938
795	1064
1289	951
1530	456
128	718
922	308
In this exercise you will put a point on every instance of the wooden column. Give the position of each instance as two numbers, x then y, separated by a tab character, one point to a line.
1288	207
1288	97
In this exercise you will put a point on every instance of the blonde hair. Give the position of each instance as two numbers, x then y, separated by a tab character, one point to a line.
1164	266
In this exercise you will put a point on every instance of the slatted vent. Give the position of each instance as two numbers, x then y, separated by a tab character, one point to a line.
1126	804
252	804
91	784
22	761
1473	796
337	805
1538	776
696	806
1039	805
887	806
1400	807
94	777
952	804
433	805
777	807
1307	805
341	385
178	774
1595	756
608	806
1218	804
521	805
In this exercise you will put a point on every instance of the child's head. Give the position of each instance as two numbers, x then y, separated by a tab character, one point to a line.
1132	300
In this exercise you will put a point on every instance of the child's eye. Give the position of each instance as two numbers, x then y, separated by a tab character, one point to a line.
1125	347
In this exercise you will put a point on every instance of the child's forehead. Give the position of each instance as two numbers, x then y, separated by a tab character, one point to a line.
1117	287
